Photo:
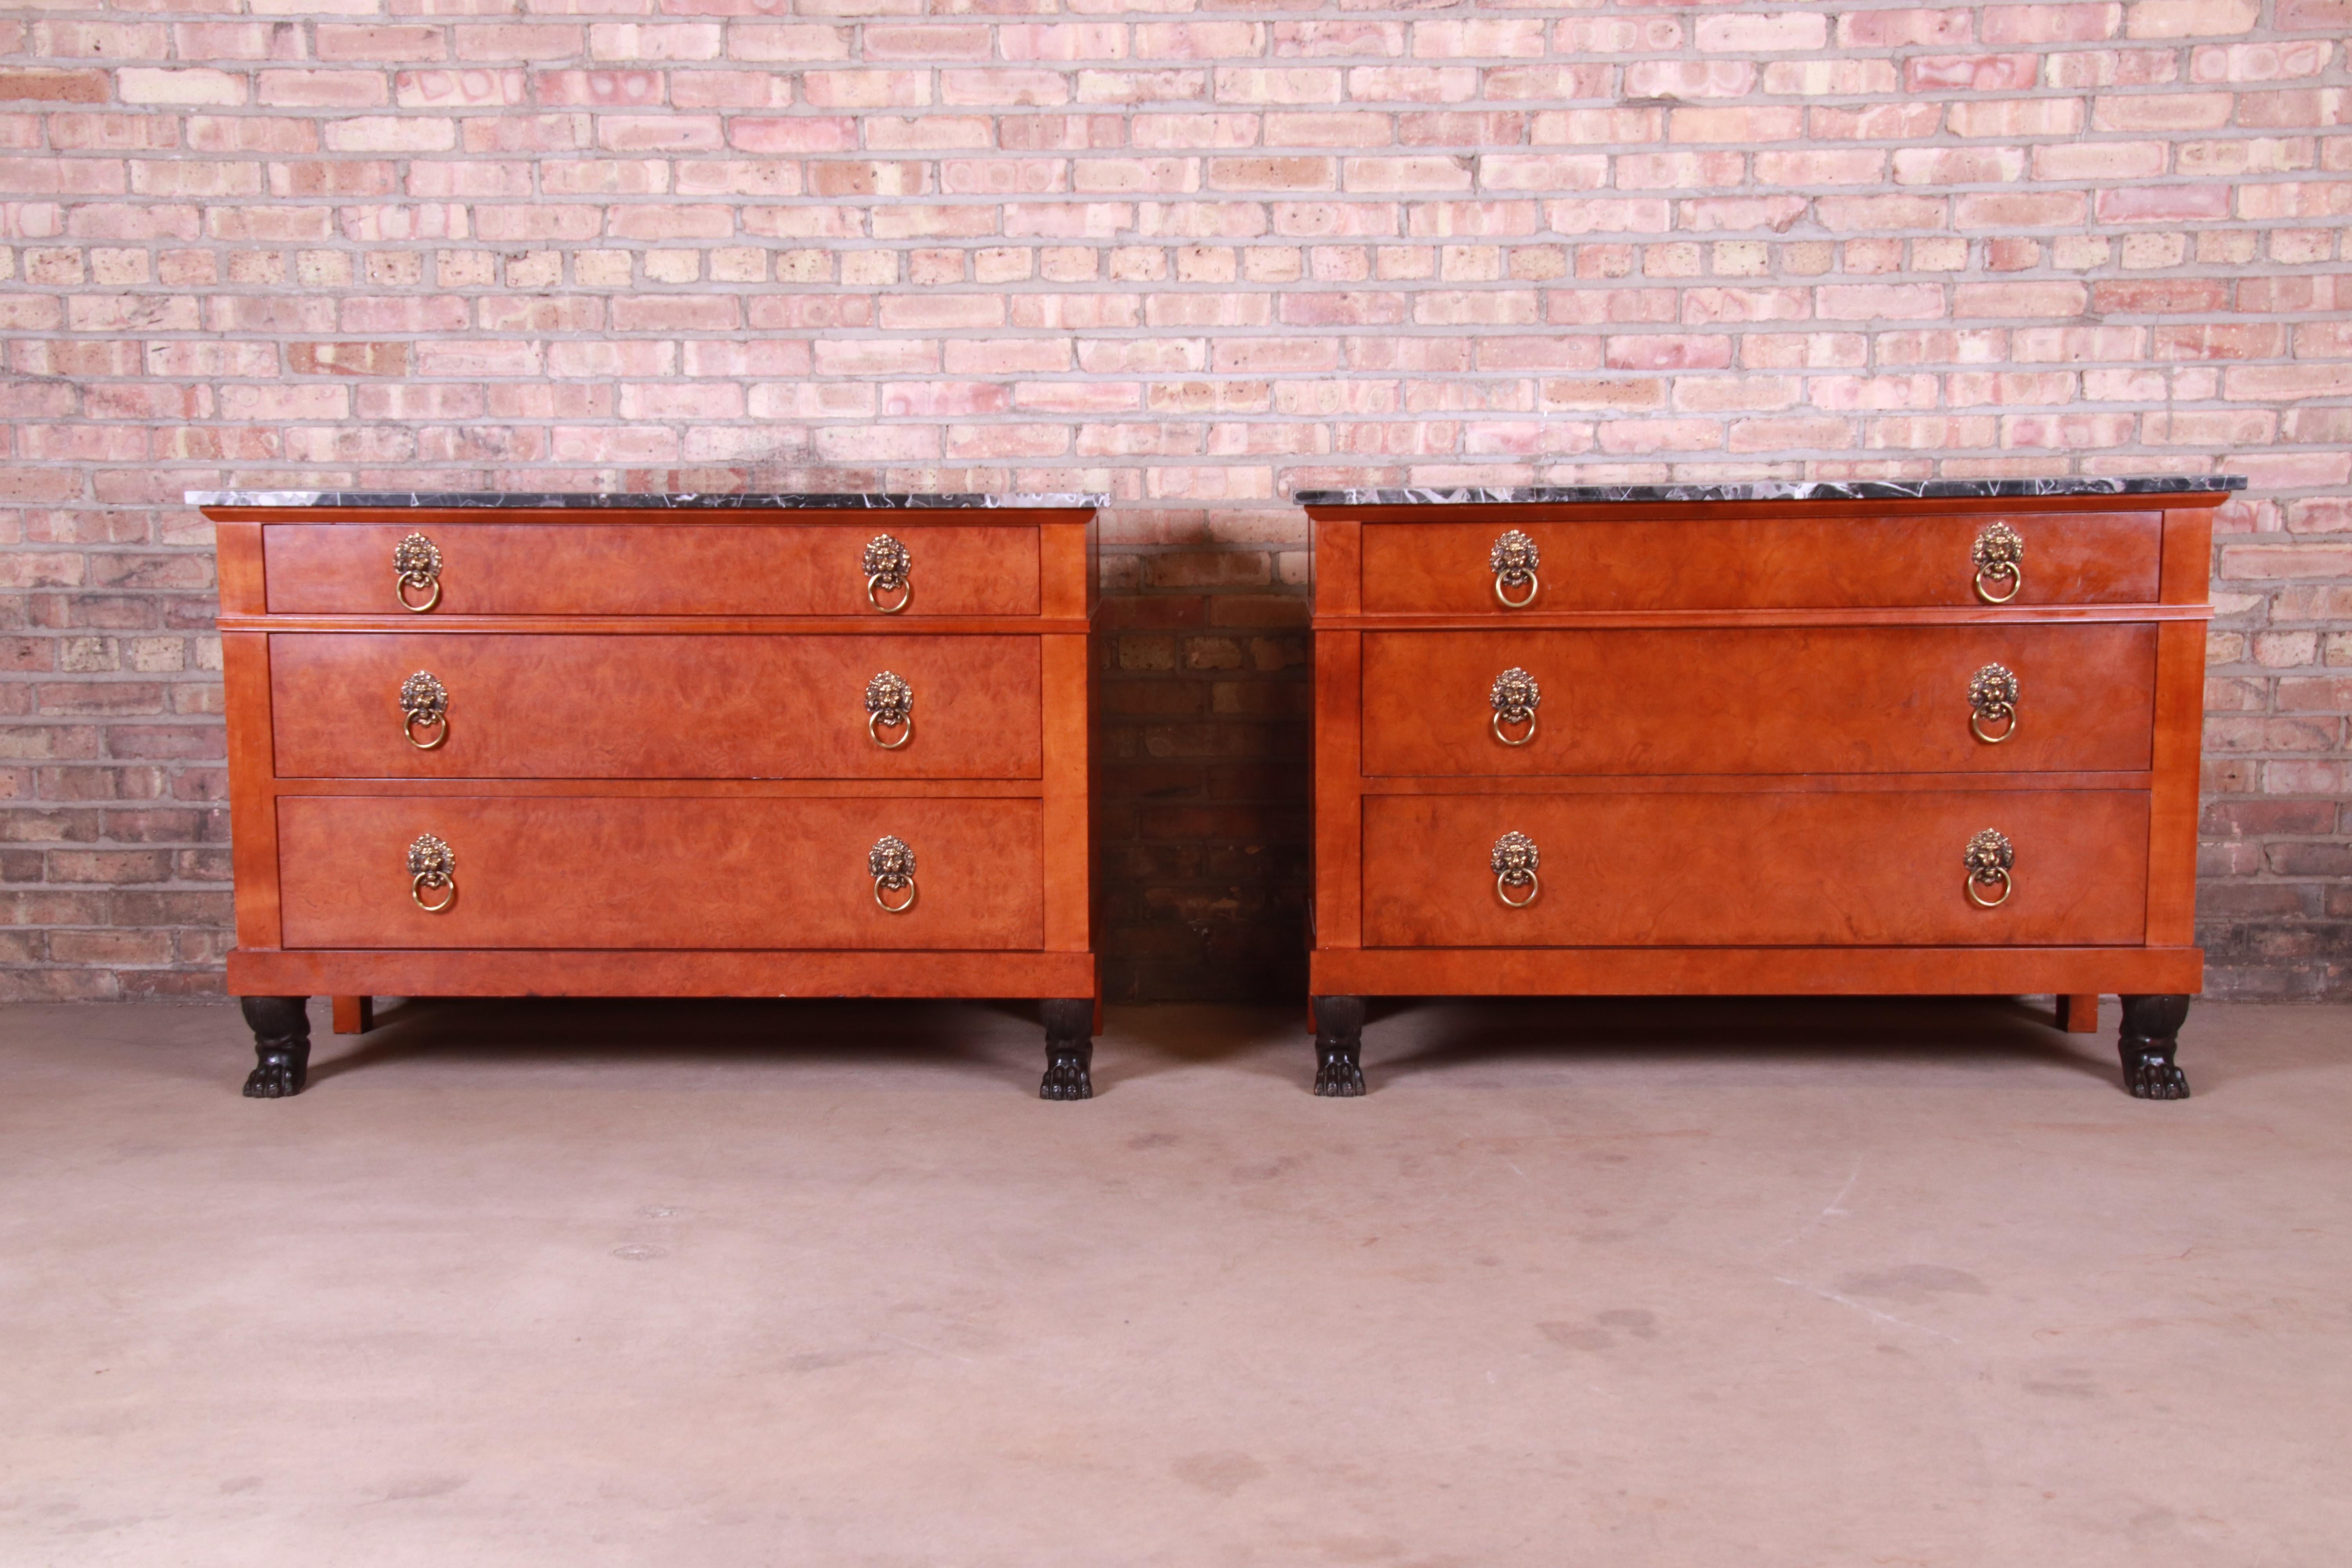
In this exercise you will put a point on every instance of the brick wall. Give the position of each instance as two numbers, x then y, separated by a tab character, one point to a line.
1195	257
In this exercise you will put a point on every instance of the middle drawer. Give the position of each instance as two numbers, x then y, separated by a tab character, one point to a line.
1769	699
717	707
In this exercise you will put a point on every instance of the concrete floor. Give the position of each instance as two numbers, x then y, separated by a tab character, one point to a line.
1670	1284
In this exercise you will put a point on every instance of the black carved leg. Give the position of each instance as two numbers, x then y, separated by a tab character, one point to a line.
281	1040
1069	1048
1340	1047
2151	1033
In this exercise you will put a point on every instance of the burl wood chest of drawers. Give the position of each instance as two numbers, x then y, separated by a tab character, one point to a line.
496	746
1751	740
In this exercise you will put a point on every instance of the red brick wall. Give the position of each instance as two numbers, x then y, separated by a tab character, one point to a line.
1196	256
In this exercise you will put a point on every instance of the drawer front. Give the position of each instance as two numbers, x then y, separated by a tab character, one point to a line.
606	873
1760	701
1734	562
649	569
523	706
1852	869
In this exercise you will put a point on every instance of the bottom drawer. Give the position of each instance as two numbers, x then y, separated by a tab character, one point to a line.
664	872
1863	868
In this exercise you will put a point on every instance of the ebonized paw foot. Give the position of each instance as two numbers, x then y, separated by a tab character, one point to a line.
281	1046
1069	1048
1338	1047
2150	1034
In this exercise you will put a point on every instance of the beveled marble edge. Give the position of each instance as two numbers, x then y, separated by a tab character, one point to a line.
685	500
1802	489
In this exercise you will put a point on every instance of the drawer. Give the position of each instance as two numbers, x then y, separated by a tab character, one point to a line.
1761	563
614	872
1689	868
650	569
525	706
1760	701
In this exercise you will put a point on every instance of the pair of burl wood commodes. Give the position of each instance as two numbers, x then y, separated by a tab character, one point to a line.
1874	737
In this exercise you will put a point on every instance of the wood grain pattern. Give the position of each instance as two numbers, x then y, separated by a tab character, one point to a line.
1336	912
590	872
1737	558
558	706
1759	701
1763	868
493	971
252	817
646	568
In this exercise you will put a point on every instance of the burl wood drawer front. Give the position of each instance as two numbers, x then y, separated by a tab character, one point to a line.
523	706
590	872
651	569
1784	563
1760	701
1880	867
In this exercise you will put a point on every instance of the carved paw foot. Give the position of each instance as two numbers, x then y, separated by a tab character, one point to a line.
1069	1048
1067	1078
1338	1076
281	1046
278	1074
2153	1077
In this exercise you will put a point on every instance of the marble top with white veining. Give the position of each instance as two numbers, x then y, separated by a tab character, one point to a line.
1775	489
688	501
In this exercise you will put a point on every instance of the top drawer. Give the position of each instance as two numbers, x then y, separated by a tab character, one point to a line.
648	569
1731	562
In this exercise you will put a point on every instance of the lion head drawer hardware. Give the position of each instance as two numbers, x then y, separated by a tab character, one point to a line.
2000	556
416	569
890	705
1515	699
1514	862
431	869
1514	561
892	866
1989	859
1992	700
424	705
888	570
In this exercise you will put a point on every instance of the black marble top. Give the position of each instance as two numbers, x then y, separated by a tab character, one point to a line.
713	501
1775	489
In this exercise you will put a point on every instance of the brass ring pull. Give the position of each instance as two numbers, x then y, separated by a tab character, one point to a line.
1992	699
416	569
425	703
888	569
1988	857
1515	696
1514	561
432	864
890	705
891	864
2000	556
1514	862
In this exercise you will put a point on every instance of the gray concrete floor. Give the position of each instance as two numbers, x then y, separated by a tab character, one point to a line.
1677	1284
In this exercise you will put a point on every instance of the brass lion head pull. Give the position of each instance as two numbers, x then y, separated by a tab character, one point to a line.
425	704
1988	857
1514	561
888	569
1515	697
890	705
416	569
892	866
1514	862
2000	556
431	868
1992	700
